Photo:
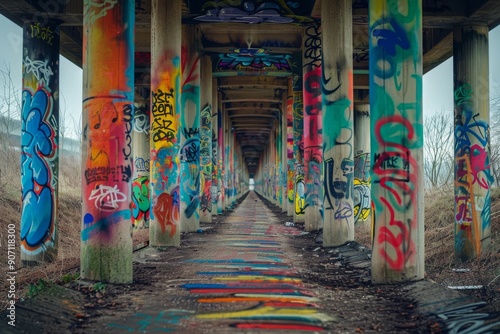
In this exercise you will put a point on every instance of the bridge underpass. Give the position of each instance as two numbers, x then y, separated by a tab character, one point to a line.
320	102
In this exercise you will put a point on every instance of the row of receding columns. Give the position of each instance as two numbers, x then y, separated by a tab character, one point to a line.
348	163
318	165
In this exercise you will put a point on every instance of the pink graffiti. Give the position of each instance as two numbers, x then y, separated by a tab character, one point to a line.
463	212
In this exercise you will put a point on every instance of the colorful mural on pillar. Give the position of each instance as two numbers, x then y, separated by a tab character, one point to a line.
190	137
298	151
214	189
140	182
290	194
108	113
313	142
397	140
165	109
39	142
220	174
206	158
338	130
362	179
472	175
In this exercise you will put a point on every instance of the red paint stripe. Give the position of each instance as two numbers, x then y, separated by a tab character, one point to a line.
279	326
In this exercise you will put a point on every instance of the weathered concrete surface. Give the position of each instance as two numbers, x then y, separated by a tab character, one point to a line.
249	273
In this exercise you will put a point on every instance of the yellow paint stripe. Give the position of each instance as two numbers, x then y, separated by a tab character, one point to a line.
258	279
268	312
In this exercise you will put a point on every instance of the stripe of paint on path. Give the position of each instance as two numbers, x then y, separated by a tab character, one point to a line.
272	313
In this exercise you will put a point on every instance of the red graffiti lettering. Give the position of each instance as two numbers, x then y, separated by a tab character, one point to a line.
164	211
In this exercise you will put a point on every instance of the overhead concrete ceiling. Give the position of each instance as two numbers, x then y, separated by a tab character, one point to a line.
252	44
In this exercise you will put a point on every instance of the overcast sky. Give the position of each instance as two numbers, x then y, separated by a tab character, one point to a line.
438	83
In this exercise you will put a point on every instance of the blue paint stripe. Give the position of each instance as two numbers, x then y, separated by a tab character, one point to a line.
105	223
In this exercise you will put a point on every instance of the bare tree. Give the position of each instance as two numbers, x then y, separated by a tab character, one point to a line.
438	151
495	134
10	114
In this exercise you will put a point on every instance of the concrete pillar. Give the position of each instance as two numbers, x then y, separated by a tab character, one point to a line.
108	103
276	158
190	134
220	155
284	149
290	165
140	147
206	140
338	132
472	151
215	148
225	160
313	150
230	161
397	140
166	37
362	199
298	142
40	142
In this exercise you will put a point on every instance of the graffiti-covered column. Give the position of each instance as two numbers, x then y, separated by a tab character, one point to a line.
277	159
215	148
225	163
313	145
397	140
190	131
284	150
206	140
362	179
337	101
472	151
166	32
40	142
140	147
108	97
298	141
290	161
220	154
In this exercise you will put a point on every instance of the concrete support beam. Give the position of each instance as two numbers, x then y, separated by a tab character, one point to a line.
220	154
397	140
141	155
190	172
215	148
472	150
106	250
298	143
338	139
166	38
313	145
40	142
206	140
284	157
290	159
362	179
